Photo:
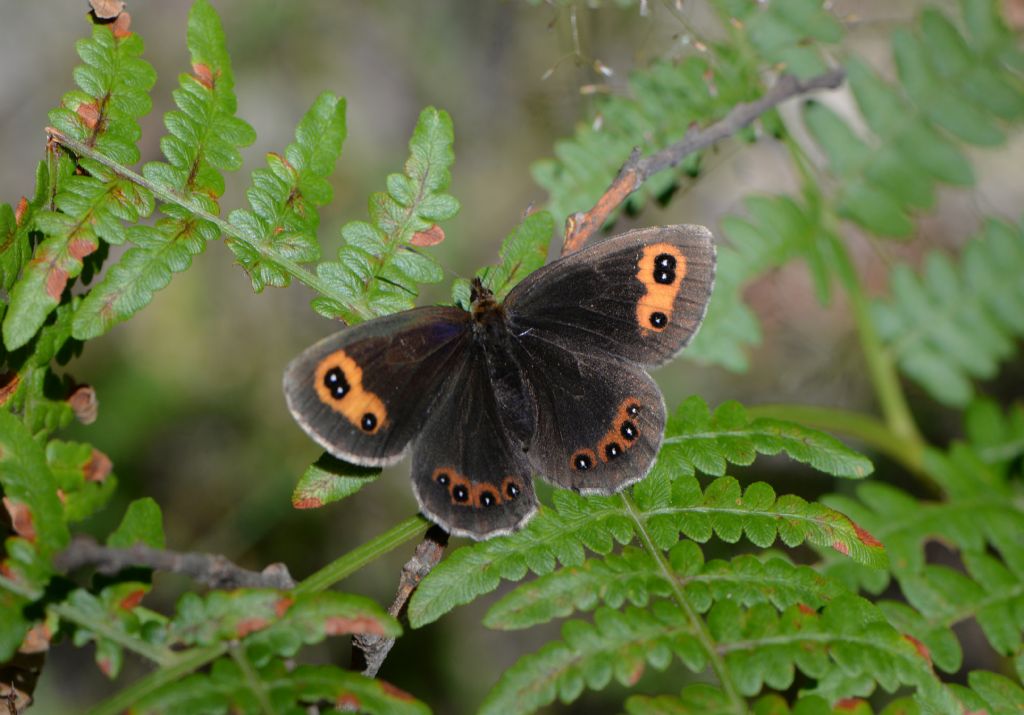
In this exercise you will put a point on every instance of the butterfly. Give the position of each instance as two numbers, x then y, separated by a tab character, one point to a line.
550	382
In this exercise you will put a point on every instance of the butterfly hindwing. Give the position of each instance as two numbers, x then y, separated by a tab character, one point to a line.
640	296
600	419
467	474
364	393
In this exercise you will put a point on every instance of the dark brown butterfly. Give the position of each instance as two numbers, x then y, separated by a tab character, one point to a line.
550	382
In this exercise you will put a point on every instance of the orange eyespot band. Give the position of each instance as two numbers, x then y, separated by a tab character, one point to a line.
338	382
661	269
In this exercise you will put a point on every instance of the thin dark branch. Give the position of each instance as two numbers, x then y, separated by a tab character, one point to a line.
369	651
637	169
211	569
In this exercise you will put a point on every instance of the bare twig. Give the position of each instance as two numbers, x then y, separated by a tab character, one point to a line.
211	569
369	651
581	226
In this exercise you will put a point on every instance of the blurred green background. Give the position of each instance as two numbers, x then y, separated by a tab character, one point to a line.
191	410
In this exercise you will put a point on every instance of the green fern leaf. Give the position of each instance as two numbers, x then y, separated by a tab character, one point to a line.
635	577
522	252
313	617
77	471
997	439
697	440
103	113
617	645
377	697
696	699
784	33
158	252
284	197
763	647
30	492
204	139
89	208
957	322
238	687
272	623
666	100
663	509
631	576
954	84
30	497
376	272
328	480
994	693
114	84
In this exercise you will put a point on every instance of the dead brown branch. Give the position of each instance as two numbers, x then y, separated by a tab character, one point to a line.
581	226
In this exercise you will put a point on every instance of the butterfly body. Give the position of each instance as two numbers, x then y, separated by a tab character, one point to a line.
550	382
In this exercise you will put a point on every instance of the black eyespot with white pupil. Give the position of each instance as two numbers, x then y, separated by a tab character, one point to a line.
460	493
612	450
335	382
443	479
582	462
659	319
633	410
511	490
665	269
368	422
488	499
628	430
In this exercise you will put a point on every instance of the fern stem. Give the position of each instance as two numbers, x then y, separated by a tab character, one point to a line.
700	629
880	365
171	196
196	658
354	560
158	654
187	662
252	679
881	369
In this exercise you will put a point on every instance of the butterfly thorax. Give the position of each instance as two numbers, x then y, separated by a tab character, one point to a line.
493	341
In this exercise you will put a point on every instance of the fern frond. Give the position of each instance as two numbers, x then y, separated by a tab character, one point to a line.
634	576
522	252
954	84
663	509
329	479
760	646
956	322
377	272
203	140
30	497
284	197
616	645
236	686
81	473
696	439
103	113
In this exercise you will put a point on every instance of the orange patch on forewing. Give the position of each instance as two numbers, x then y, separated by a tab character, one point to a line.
357	402
658	297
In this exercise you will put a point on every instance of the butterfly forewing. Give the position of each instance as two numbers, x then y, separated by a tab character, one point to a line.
467	474
363	394
639	296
